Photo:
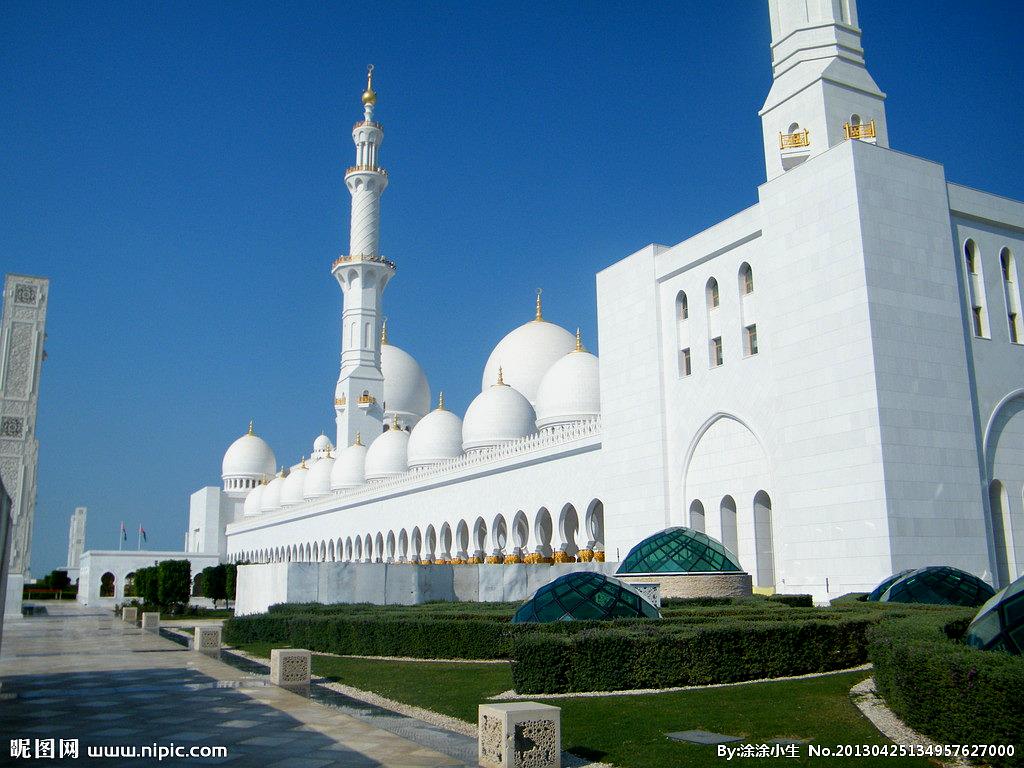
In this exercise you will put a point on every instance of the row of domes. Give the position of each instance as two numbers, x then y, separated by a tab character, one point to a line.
547	367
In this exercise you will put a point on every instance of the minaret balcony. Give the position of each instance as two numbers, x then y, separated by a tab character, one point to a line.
365	401
795	141
357	258
864	131
368	123
365	169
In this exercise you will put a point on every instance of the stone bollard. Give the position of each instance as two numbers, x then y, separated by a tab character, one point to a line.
151	621
206	640
519	734
129	615
290	667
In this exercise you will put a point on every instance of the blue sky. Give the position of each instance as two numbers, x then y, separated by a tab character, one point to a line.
176	171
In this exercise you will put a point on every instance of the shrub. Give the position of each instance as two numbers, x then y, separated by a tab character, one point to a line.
793	601
945	689
230	581
849	597
147	585
656	655
214	583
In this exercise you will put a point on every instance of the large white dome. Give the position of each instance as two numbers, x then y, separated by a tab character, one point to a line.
437	437
388	455
349	470
291	491
525	355
499	414
248	457
570	391
406	391
318	479
253	500
271	499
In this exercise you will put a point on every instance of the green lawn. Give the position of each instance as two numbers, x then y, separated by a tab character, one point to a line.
629	731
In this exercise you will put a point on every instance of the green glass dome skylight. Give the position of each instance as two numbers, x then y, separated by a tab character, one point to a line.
876	594
999	625
679	550
585	596
939	585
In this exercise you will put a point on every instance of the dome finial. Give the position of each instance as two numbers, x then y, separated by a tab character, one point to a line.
440	401
359	439
394	422
579	342
250	432
540	317
501	376
303	463
384	332
369	97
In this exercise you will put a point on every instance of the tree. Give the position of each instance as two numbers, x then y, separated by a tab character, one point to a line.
175	581
215	583
230	581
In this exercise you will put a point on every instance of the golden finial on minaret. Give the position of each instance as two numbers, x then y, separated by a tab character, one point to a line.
369	97
501	376
539	318
359	439
579	342
302	465
384	332
440	401
250	432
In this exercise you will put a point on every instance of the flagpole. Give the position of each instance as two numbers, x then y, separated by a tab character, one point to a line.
138	547
120	537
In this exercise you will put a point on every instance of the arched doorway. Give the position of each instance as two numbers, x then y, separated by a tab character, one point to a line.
107	584
764	546
730	532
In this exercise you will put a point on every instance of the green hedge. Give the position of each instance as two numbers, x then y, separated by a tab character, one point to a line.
662	656
945	689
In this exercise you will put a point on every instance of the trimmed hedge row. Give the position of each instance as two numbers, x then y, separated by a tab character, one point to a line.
945	689
617	658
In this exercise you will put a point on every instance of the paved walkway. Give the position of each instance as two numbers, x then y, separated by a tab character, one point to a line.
83	674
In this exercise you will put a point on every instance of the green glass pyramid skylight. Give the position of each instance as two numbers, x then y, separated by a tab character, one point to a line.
679	550
999	625
585	596
939	585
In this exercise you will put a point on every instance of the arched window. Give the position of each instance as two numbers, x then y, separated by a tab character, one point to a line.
683	333
712	293
746	279
1012	295
682	310
976	289
764	547
730	532
854	119
697	516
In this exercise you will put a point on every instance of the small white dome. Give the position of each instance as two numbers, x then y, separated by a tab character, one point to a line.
249	456
406	391
291	491
253	500
498	415
271	499
570	391
321	446
388	455
349	470
437	437
318	479
525	355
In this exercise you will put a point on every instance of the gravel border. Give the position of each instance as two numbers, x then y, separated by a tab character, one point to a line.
513	696
874	708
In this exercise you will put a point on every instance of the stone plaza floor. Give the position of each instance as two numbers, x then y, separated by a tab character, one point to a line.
83	674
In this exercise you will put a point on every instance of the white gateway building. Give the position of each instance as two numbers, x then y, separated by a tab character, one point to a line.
830	382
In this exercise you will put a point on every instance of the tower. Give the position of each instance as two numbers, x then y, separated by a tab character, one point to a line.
822	94
362	274
22	334
76	540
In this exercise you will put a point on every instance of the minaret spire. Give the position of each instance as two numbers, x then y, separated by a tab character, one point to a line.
362	273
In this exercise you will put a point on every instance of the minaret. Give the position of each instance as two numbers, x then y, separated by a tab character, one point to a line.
362	274
822	94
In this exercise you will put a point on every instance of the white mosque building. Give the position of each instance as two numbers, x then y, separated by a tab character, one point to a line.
830	382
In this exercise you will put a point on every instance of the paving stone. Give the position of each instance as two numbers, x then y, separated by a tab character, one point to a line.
703	737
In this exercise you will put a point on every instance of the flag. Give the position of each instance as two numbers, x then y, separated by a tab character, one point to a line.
124	532
142	532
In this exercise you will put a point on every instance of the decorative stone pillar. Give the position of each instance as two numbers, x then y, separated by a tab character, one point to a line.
151	621
207	640
519	735
129	615
290	667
